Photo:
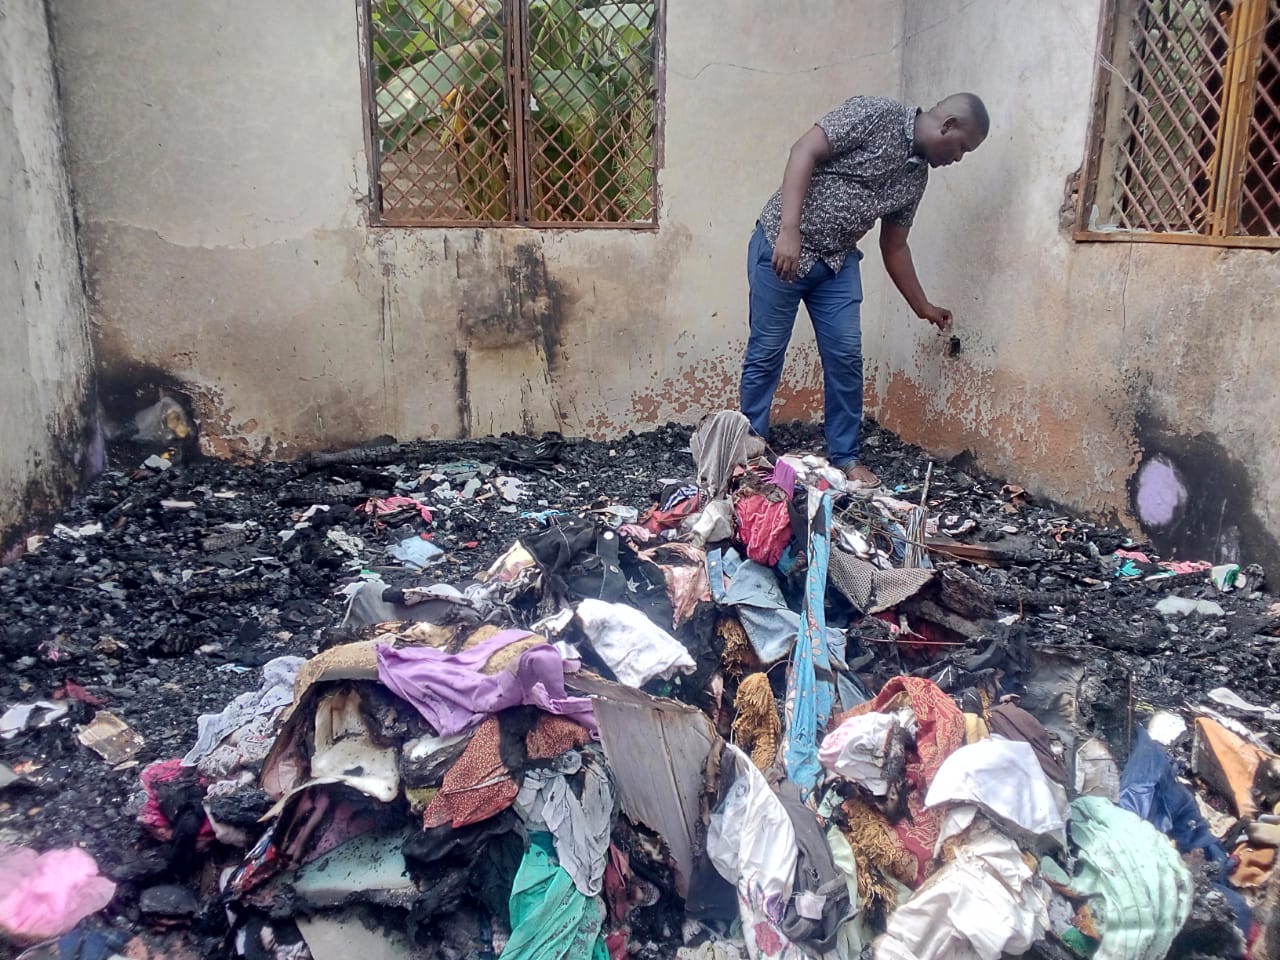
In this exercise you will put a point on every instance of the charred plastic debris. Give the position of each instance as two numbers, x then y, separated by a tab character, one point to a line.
556	699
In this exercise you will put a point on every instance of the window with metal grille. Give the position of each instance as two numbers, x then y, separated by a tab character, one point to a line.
502	112
1185	141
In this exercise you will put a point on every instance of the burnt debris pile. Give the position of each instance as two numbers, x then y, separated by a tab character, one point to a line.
555	698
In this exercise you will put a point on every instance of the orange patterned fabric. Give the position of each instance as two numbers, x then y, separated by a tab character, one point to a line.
478	785
940	731
553	736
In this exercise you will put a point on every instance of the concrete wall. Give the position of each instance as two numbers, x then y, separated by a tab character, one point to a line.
44	352
218	153
219	158
1087	370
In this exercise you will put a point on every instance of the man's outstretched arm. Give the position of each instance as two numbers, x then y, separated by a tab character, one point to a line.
897	261
812	148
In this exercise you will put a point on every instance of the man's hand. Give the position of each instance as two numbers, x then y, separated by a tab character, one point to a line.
786	254
940	317
902	271
811	149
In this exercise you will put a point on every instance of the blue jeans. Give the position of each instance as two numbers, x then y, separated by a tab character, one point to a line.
834	302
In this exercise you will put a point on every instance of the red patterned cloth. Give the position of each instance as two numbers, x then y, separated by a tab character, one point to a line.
940	732
655	520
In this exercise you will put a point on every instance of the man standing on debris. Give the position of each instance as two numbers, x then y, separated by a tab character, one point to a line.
867	160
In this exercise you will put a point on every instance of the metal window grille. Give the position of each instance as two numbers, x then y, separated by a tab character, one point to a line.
532	112
1186	133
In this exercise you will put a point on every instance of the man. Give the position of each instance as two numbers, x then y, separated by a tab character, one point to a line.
867	160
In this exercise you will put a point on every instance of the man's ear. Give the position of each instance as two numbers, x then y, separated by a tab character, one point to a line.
949	124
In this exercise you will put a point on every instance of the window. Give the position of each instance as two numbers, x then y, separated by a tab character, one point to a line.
528	112
1185	142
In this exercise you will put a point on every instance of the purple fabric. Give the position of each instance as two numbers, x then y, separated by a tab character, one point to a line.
453	695
784	475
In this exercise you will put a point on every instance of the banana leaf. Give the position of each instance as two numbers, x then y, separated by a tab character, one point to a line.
416	91
630	24
570	107
555	31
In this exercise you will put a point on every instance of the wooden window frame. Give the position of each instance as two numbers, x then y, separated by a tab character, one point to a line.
1240	70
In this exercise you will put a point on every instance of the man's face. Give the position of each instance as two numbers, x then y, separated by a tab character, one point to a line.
951	142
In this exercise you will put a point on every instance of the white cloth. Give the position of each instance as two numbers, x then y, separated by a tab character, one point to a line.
345	749
1004	778
859	749
711	950
750	836
1097	774
240	749
18	717
980	906
751	842
713	523
273	695
634	647
419	748
811	469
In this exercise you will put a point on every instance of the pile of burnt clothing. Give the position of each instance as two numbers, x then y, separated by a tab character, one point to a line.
447	778
763	717
493	762
448	783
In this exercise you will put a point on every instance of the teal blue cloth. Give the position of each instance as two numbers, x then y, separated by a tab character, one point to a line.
550	918
1144	886
810	696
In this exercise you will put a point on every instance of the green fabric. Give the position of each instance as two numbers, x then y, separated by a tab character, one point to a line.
550	918
1053	873
1144	887
1078	943
852	934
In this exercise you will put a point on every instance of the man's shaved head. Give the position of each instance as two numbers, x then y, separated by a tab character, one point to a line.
951	128
969	109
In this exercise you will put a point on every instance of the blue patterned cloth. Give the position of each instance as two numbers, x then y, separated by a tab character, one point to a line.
809	690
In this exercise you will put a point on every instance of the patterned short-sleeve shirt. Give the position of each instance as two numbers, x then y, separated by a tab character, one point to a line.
873	174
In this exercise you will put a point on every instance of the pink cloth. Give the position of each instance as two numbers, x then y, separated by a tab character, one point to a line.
633	531
1186	566
616	944
1133	555
381	506
453	695
784	476
687	583
1176	567
43	895
764	526
152	816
